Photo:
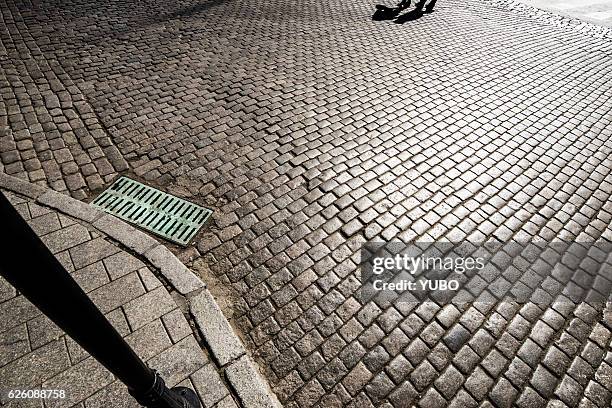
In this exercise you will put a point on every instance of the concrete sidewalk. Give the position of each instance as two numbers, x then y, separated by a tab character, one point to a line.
138	284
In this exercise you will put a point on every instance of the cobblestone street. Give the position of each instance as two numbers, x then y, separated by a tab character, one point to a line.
311	129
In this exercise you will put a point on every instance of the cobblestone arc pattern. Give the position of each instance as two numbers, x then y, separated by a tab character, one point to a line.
312	128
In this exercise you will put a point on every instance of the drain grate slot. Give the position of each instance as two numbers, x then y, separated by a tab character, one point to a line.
163	214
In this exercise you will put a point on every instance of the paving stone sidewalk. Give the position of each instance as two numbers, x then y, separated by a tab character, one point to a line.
35	354
310	129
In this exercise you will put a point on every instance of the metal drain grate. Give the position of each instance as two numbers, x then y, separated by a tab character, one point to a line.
163	214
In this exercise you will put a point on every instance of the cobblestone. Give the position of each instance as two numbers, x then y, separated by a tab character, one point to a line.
210	387
179	361
577	15
308	143
112	395
149	340
16	311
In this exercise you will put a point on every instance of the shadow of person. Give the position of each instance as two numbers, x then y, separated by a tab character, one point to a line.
389	13
385	13
417	12
409	16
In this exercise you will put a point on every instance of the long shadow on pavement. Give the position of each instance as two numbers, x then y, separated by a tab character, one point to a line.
410	16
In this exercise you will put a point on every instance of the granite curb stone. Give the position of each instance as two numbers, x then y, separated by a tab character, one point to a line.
249	384
70	206
215	328
21	186
183	280
135	240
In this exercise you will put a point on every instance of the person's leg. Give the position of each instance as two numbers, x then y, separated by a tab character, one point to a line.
430	6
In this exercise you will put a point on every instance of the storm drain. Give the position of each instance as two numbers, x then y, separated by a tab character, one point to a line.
163	214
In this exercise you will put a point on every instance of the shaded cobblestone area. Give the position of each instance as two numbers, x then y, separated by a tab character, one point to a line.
35	353
311	129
